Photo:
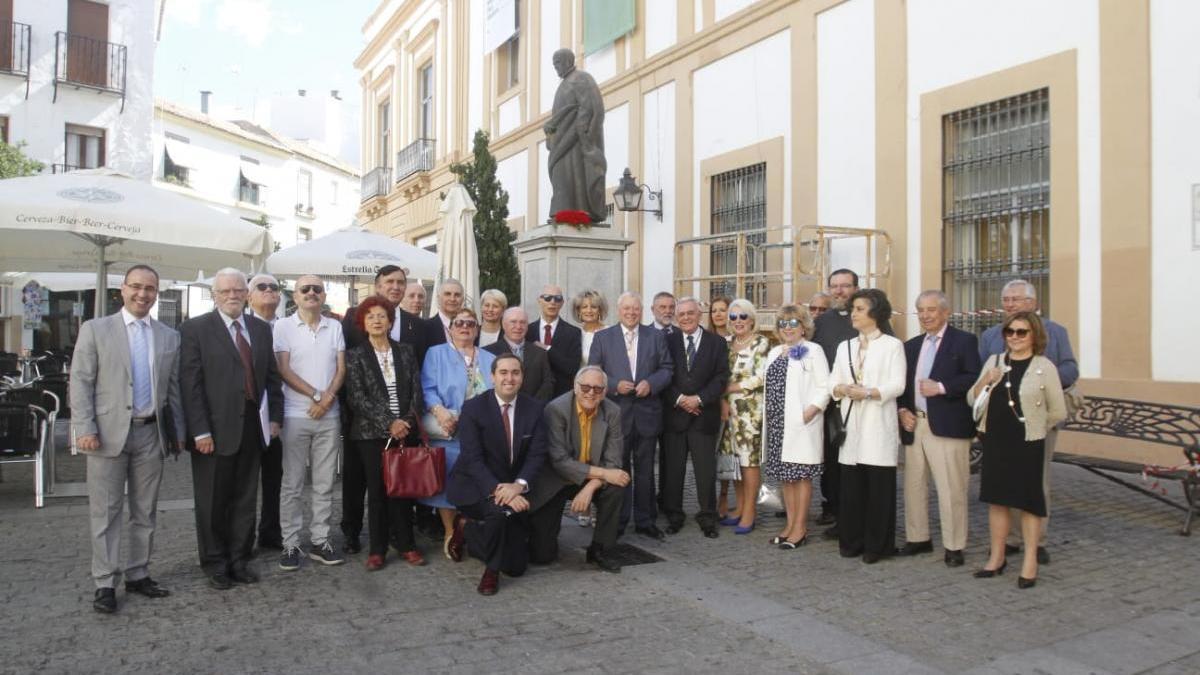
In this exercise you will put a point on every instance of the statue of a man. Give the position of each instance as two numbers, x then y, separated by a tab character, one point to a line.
575	139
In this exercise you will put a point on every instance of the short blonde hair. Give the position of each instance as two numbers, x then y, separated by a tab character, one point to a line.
494	294
589	296
744	306
795	312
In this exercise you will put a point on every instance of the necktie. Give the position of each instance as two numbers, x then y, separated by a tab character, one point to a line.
631	353
691	350
519	352
247	361
507	429
139	361
924	366
546	336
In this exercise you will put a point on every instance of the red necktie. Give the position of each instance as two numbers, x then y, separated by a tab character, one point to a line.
507	429
247	360
546	339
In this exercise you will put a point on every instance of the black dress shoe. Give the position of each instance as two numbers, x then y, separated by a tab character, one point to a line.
831	533
352	545
147	587
674	529
220	581
243	575
954	558
596	556
272	544
1022	582
651	531
917	547
105	601
827	517
1043	558
872	558
710	531
850	552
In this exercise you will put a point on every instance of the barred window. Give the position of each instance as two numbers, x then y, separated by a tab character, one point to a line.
995	204
739	202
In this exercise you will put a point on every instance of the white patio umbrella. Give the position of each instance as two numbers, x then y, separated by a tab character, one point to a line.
351	251
458	256
94	219
64	281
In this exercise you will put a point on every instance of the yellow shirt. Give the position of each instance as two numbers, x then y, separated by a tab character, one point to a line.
585	432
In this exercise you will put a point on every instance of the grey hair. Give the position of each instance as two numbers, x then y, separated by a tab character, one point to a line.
663	294
820	294
942	300
591	369
493	294
1030	291
513	310
231	272
747	307
262	276
631	295
450	281
686	299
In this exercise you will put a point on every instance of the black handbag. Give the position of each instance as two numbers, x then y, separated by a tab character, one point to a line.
835	424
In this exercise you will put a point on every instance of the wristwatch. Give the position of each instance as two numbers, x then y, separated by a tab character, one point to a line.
316	397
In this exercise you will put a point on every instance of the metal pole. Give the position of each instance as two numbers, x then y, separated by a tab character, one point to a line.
101	282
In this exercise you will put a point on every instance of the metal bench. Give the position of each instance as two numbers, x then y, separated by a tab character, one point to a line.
1150	422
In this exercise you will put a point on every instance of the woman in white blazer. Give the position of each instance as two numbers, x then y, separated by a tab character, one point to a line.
797	391
867	378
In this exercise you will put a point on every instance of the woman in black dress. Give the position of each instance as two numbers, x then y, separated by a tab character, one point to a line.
1025	401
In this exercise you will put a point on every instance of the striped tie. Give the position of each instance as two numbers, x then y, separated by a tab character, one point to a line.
139	360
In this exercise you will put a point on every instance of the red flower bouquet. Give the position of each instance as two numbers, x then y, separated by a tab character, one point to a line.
572	217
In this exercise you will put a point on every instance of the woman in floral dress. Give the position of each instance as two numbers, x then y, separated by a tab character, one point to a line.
742	409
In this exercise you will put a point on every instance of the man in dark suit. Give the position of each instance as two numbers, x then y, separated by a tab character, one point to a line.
391	283
701	372
450	297
638	366
503	447
937	427
829	330
584	454
562	341
226	366
538	378
263	304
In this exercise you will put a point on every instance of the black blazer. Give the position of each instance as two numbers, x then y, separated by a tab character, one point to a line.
412	332
212	380
957	367
566	353
366	394
538	379
706	379
483	456
830	330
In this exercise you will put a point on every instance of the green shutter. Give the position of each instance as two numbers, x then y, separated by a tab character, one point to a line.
605	21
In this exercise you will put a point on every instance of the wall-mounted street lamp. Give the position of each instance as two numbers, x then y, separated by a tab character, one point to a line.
628	195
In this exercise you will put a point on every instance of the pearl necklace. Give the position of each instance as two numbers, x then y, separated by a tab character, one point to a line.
1012	405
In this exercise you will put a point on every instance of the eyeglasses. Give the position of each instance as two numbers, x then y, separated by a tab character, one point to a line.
590	389
264	287
551	298
739	317
464	323
788	323
1016	332
230	291
309	288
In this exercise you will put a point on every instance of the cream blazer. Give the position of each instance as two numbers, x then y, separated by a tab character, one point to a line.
807	384
1041	396
873	426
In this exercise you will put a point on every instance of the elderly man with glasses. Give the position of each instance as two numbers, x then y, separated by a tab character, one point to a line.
563	341
265	295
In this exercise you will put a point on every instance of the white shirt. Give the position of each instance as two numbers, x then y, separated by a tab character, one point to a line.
631	347
512	416
232	331
541	336
312	356
129	319
918	399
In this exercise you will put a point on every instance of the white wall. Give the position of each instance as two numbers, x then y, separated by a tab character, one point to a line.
616	144
937	28
508	117
41	122
658	171
1175	138
551	41
846	125
475	63
513	174
543	187
724	8
661	19
600	64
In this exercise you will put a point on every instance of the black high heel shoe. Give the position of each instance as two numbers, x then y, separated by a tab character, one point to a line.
988	574
1022	582
792	545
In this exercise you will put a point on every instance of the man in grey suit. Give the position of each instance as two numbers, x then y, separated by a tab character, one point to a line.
226	366
639	367
126	414
584	453
539	379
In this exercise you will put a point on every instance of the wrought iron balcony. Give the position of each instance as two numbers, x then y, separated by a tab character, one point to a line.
83	62
418	156
14	50
376	183
65	168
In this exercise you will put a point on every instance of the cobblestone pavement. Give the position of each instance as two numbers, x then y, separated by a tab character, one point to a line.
1119	597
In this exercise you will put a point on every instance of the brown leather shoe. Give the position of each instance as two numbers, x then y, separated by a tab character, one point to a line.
374	562
413	558
490	583
454	547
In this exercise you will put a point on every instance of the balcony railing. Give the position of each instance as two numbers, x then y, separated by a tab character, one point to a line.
65	168
14	50
83	62
376	183
418	156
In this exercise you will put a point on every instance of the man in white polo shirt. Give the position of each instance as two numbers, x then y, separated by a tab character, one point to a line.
311	352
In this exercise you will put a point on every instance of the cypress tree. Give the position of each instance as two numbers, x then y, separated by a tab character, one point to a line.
497	259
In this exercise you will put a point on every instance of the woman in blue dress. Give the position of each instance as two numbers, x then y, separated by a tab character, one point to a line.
452	373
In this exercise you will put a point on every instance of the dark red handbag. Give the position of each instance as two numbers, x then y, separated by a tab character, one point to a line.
415	472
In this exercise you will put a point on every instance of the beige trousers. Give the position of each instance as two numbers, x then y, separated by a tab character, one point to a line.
948	461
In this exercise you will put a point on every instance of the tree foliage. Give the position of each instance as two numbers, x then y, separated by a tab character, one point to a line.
14	163
497	259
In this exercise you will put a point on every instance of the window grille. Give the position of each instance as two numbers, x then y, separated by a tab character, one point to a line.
739	202
995	205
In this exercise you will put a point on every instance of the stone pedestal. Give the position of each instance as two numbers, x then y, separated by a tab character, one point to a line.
574	258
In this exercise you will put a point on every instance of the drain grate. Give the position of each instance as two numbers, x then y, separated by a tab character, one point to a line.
628	554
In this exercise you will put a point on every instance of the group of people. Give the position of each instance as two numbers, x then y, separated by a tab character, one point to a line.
535	415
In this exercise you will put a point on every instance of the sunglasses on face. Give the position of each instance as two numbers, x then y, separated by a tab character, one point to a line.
1016	332
739	317
590	389
264	287
311	288
464	323
552	298
788	323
